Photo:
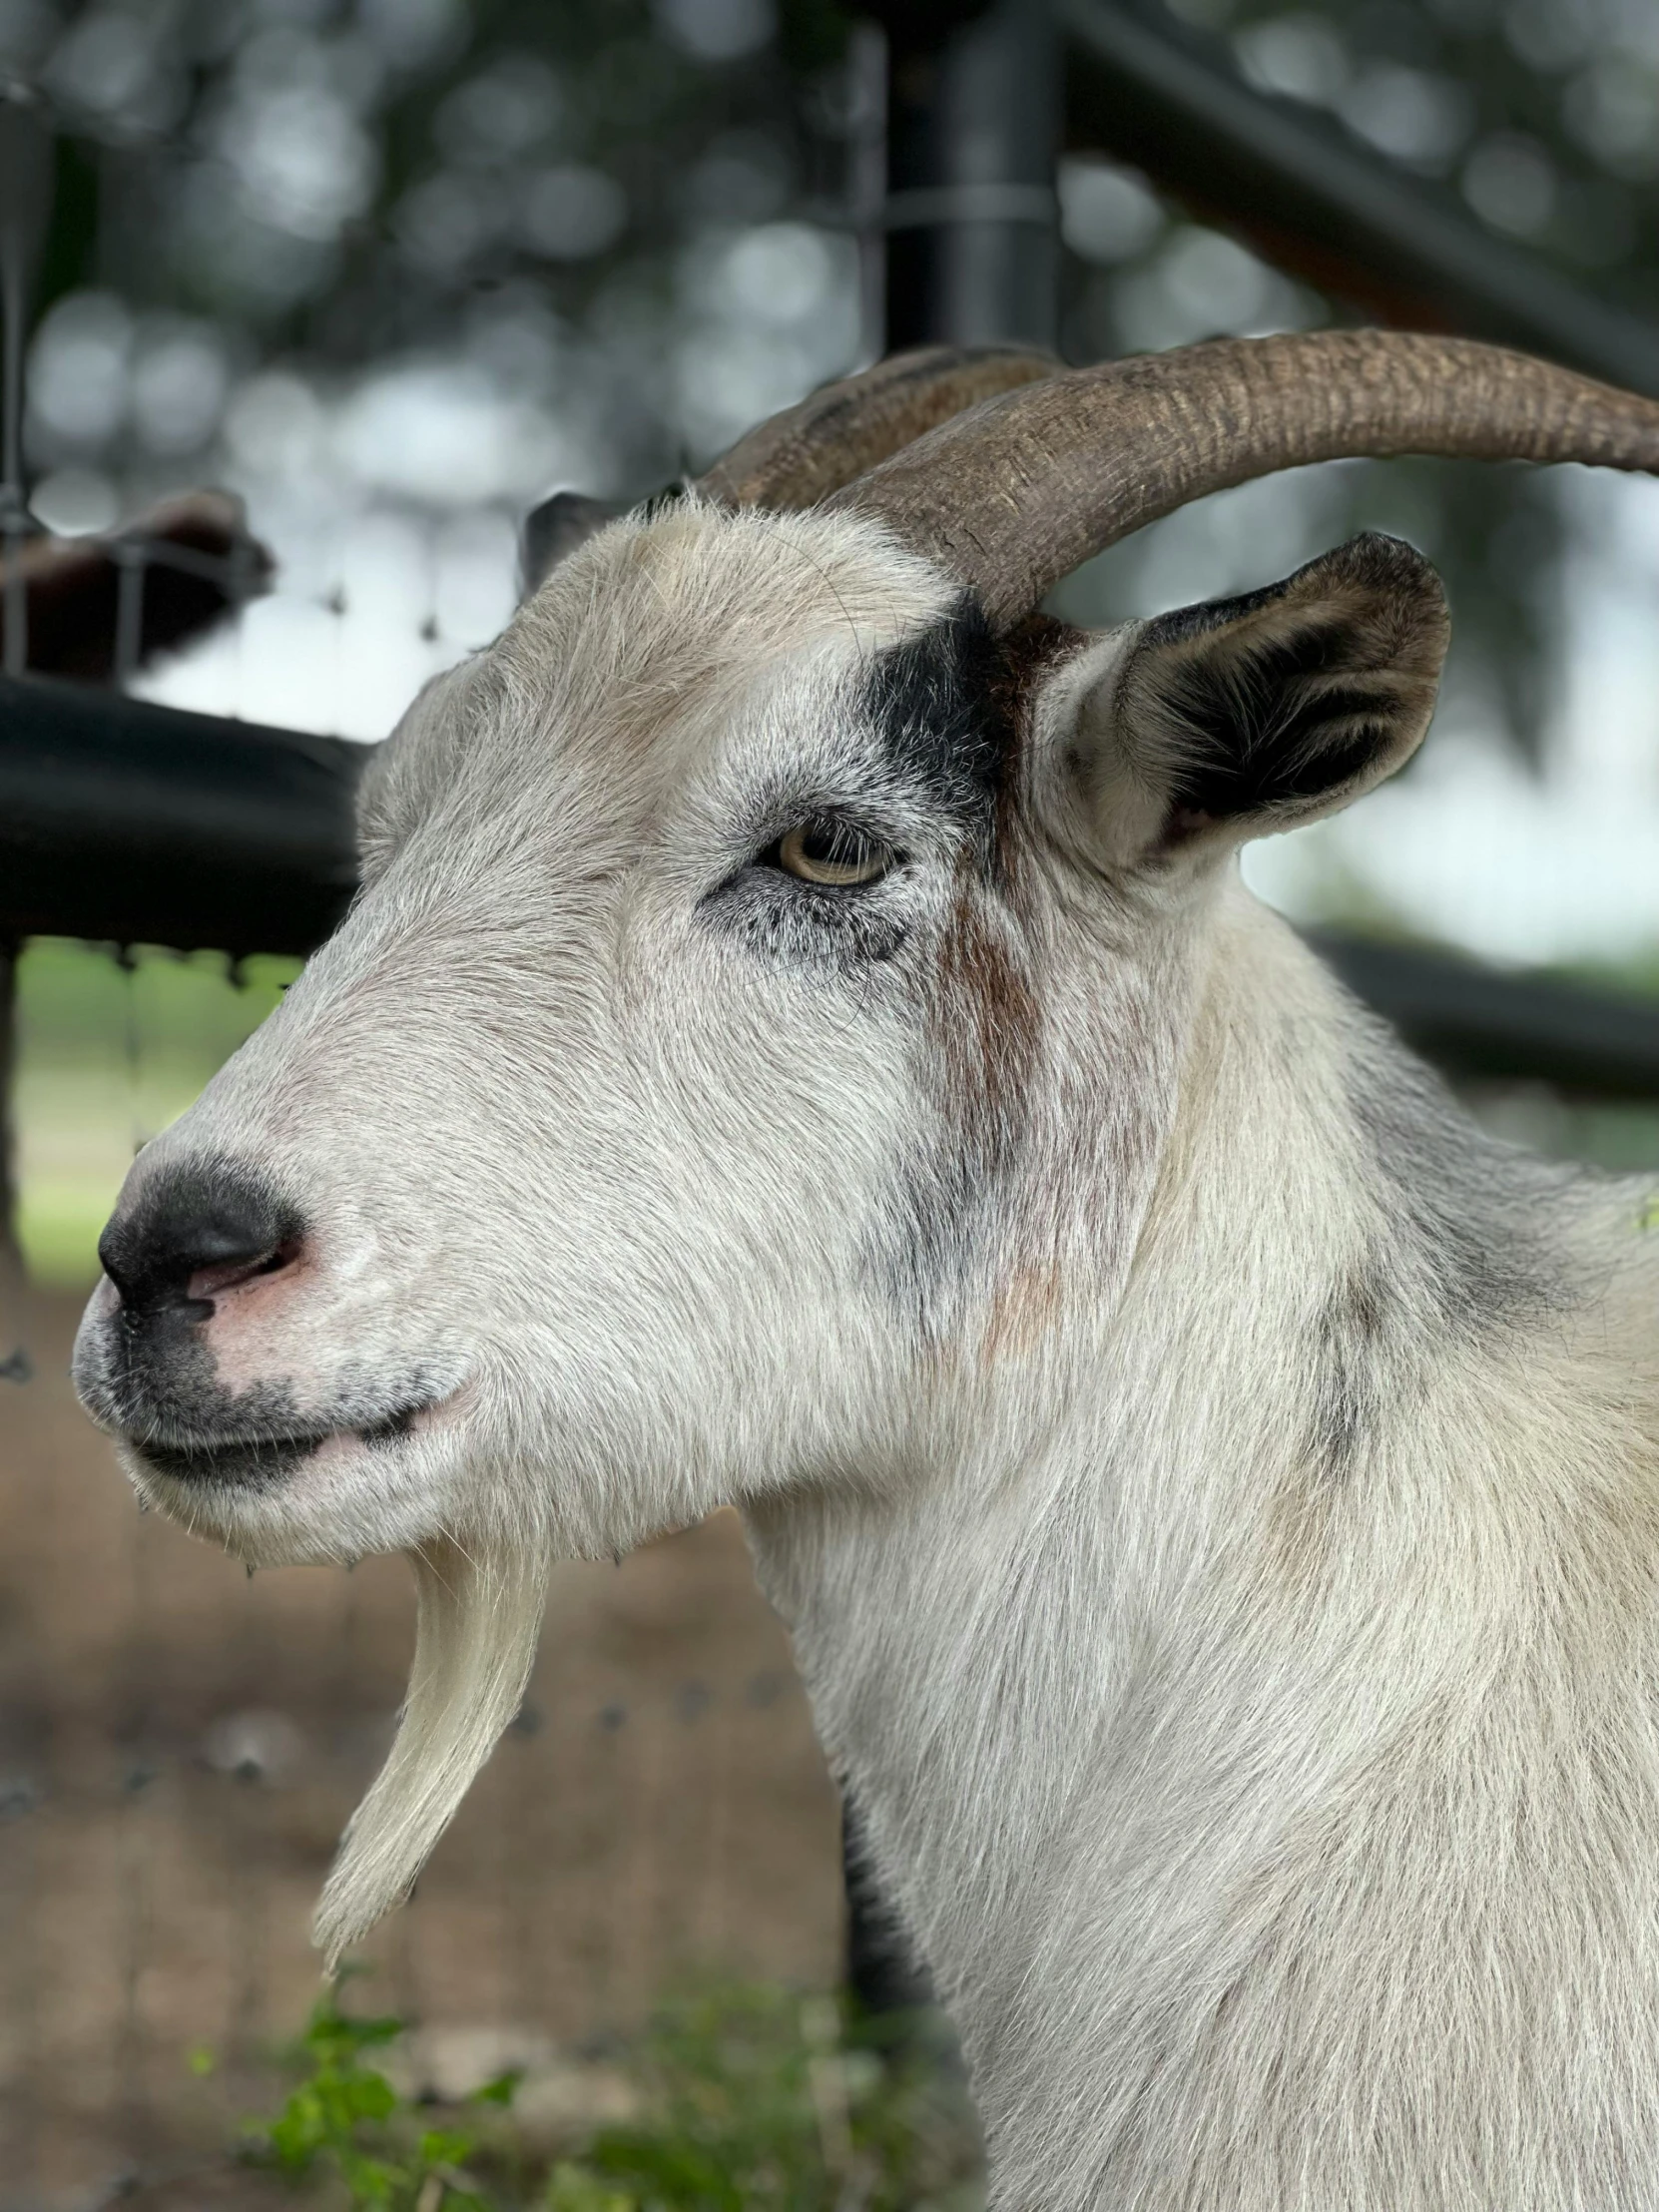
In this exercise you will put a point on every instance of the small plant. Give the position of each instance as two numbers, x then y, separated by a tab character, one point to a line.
750	2100
345	2120
755	2099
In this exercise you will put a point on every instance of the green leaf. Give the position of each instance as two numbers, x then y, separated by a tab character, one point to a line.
575	2189
445	2148
369	2097
502	2089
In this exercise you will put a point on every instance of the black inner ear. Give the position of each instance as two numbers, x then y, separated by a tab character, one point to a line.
1278	720
1280	702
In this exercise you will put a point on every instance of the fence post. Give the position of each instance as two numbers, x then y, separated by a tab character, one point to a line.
25	210
973	131
15	1364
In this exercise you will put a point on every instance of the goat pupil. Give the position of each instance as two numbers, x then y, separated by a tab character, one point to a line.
830	853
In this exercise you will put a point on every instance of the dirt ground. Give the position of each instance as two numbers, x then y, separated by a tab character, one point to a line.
178	1748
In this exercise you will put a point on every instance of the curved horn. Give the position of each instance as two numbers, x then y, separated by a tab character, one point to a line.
1016	495
802	455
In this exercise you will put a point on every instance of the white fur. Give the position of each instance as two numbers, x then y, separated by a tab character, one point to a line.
478	1624
1230	1600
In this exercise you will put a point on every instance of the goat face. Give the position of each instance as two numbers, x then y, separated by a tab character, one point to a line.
561	1193
654	1131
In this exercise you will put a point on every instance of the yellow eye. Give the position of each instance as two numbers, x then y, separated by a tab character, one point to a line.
830	852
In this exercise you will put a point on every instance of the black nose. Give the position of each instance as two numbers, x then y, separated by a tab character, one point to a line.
207	1219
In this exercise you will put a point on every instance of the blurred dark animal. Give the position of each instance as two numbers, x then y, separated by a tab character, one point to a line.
199	564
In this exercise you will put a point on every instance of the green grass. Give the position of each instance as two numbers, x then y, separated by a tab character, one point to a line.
750	2099
107	1056
344	2121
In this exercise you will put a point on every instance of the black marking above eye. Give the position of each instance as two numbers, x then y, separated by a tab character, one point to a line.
830	854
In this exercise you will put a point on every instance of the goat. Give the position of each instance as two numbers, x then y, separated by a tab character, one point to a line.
802	1042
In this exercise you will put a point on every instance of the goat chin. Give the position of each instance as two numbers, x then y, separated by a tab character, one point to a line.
478	1622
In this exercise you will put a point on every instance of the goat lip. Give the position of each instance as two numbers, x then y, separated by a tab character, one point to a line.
260	1462
252	1462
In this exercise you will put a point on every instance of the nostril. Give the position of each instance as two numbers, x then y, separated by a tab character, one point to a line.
229	1275
195	1231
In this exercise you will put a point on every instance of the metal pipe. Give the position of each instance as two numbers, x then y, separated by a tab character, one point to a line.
25	211
1294	185
970	217
143	824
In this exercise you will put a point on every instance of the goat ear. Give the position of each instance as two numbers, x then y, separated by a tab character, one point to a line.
555	529
1239	717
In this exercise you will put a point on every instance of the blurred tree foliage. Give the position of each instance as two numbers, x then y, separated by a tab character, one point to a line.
336	182
1540	118
609	209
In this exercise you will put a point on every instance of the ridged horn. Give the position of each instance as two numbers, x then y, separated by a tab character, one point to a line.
1018	493
804	454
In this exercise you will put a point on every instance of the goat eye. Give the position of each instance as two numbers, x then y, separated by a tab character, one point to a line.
831	853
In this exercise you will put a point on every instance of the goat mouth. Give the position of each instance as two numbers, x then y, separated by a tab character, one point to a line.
261	1461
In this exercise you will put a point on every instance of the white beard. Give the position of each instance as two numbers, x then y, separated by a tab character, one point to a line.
478	1624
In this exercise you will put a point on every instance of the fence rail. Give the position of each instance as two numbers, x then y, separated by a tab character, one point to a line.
143	825
1473	1021
1295	186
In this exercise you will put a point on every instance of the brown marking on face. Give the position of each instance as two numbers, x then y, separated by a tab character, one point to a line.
1023	1309
986	1022
985	1025
986	1028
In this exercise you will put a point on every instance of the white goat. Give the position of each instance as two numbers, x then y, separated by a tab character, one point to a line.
801	1041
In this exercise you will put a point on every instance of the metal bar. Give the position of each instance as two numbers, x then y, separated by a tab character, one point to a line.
14	589
1290	182
26	194
1472	1021
15	1363
972	220
126	820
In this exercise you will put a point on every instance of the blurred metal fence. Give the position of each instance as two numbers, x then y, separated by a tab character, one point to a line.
101	801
